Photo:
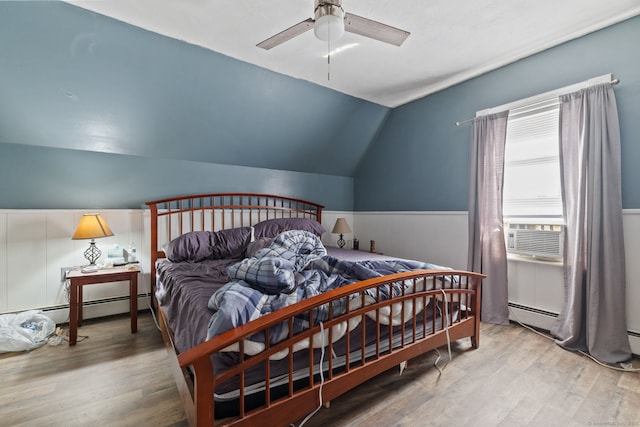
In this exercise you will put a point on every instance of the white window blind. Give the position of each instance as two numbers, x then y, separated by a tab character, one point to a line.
532	159
532	164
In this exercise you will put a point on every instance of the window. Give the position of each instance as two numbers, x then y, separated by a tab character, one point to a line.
532	158
532	198
532	163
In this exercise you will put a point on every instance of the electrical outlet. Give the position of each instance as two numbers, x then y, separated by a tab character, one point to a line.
63	273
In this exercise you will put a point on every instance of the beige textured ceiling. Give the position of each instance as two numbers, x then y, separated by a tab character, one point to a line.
451	40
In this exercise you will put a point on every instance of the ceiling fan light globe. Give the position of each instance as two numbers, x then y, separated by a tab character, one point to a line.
329	27
329	20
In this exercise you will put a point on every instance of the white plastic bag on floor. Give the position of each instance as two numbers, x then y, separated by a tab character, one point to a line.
24	331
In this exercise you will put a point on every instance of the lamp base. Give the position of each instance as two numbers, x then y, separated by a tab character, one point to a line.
92	253
91	268
341	241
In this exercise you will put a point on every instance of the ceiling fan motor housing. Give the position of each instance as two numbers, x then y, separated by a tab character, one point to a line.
329	19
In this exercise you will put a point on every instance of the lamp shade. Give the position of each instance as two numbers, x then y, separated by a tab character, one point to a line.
329	20
92	226
341	227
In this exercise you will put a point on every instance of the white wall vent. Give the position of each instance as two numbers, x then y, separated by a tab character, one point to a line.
536	240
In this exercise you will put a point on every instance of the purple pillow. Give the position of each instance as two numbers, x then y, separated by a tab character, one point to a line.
197	246
193	246
230	243
273	227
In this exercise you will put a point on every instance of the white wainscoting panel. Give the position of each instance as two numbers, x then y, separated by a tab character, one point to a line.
631	224
61	252
36	244
329	220
4	289
537	285
441	238
436	237
27	260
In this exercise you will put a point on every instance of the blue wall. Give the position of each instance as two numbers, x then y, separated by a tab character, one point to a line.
72	80
37	177
89	103
420	160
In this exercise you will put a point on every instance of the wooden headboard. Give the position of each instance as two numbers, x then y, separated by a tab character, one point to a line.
173	217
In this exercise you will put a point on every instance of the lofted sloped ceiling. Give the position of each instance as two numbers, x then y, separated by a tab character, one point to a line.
450	41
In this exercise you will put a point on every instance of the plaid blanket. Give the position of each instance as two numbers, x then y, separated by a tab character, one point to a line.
272	269
278	277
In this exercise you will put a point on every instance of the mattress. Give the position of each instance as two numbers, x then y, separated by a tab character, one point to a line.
184	288
183	293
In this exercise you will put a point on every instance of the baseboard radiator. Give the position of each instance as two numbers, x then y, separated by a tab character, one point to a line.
542	319
95	308
532	316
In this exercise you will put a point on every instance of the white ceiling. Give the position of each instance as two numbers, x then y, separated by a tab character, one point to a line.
451	40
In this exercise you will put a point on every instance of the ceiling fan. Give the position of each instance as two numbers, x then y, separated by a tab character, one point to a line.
331	22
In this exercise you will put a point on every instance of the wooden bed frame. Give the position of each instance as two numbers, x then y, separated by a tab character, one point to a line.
176	216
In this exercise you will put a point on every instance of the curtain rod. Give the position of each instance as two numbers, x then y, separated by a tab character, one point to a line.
613	82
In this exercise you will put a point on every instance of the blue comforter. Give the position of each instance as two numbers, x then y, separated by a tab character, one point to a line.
294	267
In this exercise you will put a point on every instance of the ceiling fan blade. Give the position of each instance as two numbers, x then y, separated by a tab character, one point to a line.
287	34
374	29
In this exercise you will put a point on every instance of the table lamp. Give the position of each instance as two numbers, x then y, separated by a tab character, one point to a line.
92	226
341	227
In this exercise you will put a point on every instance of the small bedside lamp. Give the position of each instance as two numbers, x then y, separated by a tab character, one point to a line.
341	227
92	226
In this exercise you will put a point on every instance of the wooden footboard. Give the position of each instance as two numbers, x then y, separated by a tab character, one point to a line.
419	309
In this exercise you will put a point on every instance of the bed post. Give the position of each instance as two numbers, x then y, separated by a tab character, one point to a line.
477	300
154	252
203	392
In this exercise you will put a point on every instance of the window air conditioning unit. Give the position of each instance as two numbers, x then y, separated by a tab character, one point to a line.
536	240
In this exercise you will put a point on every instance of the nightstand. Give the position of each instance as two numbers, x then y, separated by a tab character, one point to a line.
77	280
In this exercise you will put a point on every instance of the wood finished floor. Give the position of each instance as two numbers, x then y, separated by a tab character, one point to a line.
516	378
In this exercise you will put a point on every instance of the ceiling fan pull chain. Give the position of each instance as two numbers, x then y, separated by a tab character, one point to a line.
329	59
